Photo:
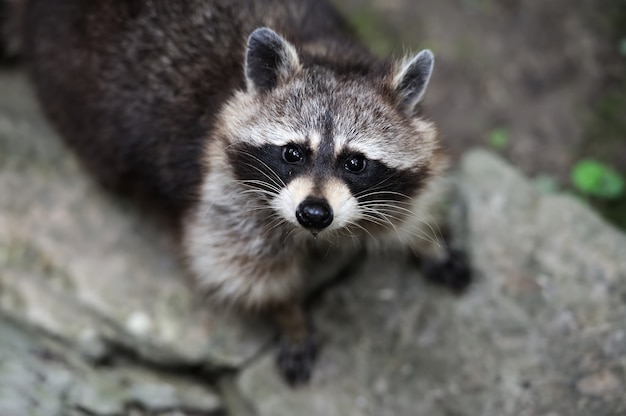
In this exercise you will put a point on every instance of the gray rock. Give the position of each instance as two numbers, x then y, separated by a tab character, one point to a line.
542	331
87	268
41	377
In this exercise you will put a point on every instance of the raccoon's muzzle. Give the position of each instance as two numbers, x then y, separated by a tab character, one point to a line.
314	214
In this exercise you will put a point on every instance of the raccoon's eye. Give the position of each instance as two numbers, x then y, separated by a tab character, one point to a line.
355	163
293	154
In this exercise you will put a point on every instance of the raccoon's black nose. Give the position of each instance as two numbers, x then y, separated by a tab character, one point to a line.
314	213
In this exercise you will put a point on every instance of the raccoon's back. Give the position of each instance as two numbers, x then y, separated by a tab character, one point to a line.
134	85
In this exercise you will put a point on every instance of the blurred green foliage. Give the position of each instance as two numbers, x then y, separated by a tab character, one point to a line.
606	130
371	29
498	138
597	179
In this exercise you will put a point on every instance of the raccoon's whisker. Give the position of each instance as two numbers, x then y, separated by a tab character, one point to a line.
387	202
421	235
385	223
390	209
253	209
255	205
437	233
280	182
260	192
371	192
266	192
350	234
377	186
374	219
326	254
275	181
247	208
290	233
278	221
272	182
255	182
251	188
401	210
435	238
396	214
383	214
396	203
258	184
355	224
373	214
425	236
379	214
207	209
354	237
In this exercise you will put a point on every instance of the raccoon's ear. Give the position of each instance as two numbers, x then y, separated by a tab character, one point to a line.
412	78
269	58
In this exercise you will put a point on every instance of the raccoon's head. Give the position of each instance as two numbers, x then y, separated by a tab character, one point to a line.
329	145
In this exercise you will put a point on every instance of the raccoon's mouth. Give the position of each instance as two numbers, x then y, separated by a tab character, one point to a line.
314	214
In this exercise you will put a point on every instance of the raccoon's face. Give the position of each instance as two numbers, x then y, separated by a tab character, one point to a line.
329	149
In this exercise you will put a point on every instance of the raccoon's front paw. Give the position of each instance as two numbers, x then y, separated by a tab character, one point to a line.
296	360
452	271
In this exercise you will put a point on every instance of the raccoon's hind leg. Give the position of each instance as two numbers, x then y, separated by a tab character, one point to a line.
444	264
297	349
441	255
450	269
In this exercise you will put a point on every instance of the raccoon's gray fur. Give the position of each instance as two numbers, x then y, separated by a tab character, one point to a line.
262	127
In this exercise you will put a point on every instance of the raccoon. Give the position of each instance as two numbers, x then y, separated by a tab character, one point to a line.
262	128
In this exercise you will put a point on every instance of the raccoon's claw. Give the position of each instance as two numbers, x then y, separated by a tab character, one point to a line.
296	360
453	271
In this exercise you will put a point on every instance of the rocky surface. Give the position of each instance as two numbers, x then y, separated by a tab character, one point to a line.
541	332
96	317
87	269
42	377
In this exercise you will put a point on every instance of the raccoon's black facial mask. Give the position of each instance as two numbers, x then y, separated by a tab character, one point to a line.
272	167
269	167
370	180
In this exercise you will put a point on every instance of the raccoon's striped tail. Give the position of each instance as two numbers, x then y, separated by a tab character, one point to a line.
11	23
